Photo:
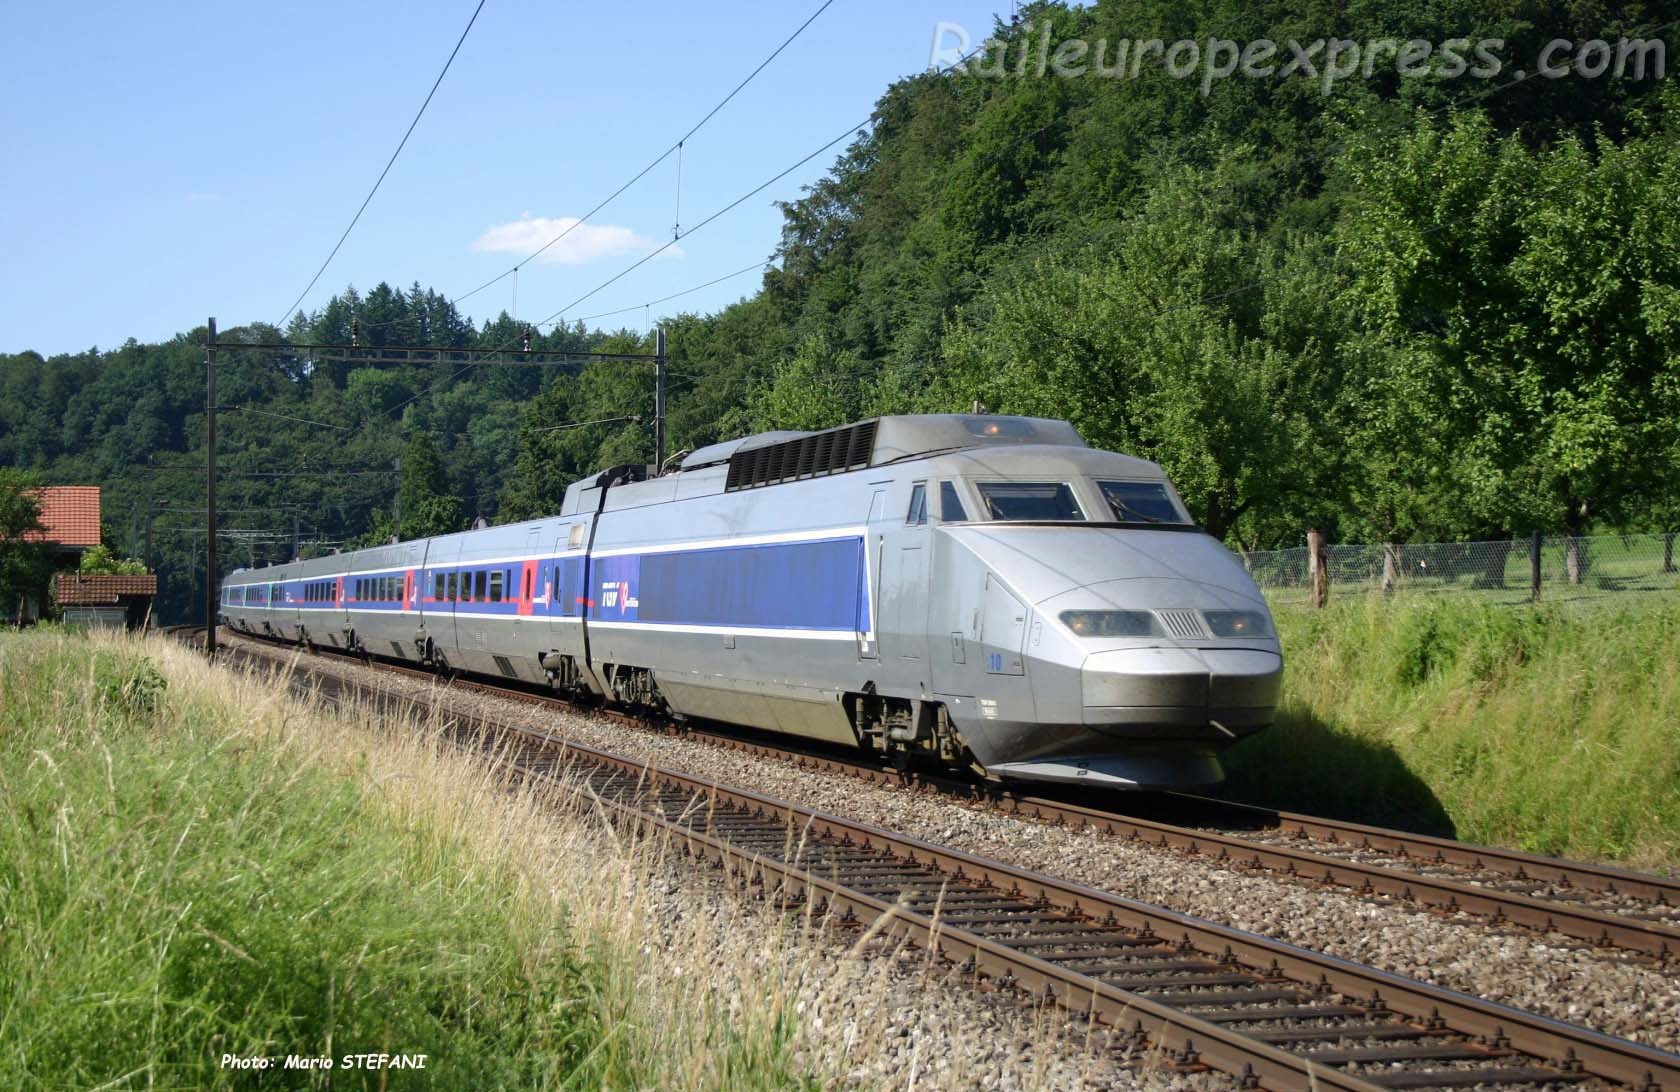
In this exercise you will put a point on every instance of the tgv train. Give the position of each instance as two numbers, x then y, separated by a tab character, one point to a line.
988	591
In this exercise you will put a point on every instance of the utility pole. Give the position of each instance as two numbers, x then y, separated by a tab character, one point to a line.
659	399
210	570
151	514
295	534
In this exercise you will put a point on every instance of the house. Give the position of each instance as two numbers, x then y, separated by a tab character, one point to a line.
70	525
118	601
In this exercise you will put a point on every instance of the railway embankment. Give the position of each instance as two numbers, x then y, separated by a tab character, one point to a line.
202	876
1549	728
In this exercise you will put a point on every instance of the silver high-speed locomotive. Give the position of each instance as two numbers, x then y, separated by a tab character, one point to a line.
982	590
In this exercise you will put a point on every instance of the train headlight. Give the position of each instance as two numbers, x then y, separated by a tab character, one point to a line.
1111	623
1237	623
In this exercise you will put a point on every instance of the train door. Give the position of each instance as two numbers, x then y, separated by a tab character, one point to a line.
902	602
565	586
869	618
526	574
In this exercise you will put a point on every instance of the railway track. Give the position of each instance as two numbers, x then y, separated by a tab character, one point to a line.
1592	905
1193	993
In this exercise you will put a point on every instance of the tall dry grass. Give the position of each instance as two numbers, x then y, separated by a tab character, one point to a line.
213	865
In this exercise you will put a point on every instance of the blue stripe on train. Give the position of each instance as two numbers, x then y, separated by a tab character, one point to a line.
789	585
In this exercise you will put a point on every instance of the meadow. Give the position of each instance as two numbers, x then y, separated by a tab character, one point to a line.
194	865
1548	727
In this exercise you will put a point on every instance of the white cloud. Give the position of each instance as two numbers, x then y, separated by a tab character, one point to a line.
583	243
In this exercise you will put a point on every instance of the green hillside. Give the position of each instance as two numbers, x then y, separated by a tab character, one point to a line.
1418	307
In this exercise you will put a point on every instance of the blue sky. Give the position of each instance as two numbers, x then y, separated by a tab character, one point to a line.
172	161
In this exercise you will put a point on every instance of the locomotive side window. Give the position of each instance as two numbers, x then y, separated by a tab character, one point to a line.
449	588
479	585
1034	501
950	505
496	586
917	515
437	590
1141	502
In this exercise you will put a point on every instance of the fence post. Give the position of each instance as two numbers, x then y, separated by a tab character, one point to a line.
1391	567
1534	566
1318	570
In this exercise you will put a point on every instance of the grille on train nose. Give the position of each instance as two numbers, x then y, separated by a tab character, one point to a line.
1185	624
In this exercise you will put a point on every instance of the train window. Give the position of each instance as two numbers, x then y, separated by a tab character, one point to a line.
1034	501
437	586
479	585
496	586
576	538
527	586
950	506
451	588
917	514
1141	502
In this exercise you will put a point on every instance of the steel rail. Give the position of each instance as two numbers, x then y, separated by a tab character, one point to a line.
1443	894
1662	890
1012	896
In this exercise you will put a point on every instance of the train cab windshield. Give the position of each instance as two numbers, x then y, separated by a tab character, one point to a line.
1034	501
1057	502
1141	502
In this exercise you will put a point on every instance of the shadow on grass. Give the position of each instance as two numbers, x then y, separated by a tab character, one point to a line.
1304	764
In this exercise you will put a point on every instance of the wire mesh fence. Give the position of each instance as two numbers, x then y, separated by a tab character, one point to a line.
1558	568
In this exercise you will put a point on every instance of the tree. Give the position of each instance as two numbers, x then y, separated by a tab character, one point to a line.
100	561
1518	333
24	566
428	507
814	389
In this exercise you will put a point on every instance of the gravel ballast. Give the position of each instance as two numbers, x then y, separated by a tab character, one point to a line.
1601	990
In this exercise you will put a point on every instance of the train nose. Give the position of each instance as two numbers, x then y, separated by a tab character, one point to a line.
1153	691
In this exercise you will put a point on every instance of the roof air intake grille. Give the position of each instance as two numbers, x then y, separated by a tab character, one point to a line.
833	452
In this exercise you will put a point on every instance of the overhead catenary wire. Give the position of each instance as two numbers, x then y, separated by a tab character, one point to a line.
675	295
636	417
657	160
388	165
656	252
287	417
550	321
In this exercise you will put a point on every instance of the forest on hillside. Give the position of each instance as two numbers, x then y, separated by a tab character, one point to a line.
1419	307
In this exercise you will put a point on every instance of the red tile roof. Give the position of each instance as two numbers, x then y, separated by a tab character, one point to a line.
70	514
75	590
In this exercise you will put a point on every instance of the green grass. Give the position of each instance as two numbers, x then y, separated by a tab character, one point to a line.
1550	728
175	885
